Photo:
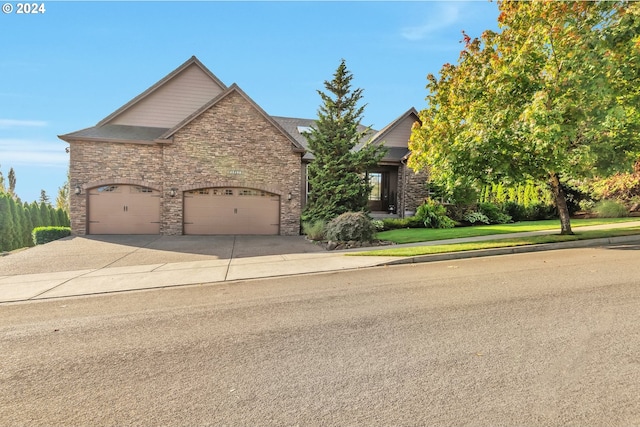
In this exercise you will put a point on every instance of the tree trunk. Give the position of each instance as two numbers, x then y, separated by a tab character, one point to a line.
561	204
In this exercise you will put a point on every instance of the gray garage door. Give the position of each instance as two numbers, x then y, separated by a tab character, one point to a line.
231	211
124	209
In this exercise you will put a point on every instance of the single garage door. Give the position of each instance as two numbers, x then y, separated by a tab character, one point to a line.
231	211
124	209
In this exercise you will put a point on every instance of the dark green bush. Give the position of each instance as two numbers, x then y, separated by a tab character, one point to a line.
516	211
350	226
494	213
539	211
43	235
397	223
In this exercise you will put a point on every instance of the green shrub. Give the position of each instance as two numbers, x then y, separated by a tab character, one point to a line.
43	235
540	211
350	226
494	213
397	223
475	217
434	215
314	230
516	211
610	209
378	224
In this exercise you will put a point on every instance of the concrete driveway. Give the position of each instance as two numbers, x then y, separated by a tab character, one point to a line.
95	252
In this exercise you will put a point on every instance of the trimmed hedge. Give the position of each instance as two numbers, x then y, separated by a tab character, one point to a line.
43	235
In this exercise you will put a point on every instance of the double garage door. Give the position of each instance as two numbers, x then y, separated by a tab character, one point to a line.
131	209
231	211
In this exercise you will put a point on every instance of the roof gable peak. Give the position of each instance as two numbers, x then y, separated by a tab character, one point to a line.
172	78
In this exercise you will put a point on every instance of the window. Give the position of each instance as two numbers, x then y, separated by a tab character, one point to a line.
375	180
228	192
108	189
138	189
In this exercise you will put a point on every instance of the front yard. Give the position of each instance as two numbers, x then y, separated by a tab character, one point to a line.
414	235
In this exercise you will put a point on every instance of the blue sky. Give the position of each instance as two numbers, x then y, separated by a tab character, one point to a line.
68	68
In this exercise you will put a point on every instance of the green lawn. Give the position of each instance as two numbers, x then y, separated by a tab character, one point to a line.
413	235
501	243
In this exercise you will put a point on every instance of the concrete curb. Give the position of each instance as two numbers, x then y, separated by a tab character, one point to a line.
514	250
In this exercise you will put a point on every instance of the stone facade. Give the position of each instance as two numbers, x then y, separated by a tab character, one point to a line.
93	164
412	189
231	144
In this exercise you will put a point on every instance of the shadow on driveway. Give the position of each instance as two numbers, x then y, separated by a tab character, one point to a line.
93	252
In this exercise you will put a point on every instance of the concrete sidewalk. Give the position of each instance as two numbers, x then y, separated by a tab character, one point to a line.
146	262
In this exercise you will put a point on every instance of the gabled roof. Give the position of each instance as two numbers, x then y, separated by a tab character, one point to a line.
234	88
394	154
193	61
116	133
294	125
378	137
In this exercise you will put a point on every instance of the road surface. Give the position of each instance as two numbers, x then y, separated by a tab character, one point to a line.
547	338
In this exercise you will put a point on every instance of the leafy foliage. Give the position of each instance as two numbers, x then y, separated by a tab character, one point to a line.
475	217
337	174
610	209
622	186
553	95
494	213
350	226
434	215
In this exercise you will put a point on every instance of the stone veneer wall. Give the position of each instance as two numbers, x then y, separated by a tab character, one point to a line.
229	145
97	163
232	144
414	187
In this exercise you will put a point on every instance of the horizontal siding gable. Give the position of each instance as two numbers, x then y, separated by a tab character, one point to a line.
401	132
173	101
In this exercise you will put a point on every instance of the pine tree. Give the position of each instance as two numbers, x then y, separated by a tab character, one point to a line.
34	214
27	226
16	226
12	182
44	197
45	215
337	176
6	222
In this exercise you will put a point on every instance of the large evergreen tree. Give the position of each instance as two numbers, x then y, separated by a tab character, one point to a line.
337	176
12	182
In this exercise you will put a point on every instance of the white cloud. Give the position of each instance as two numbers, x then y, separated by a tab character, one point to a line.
445	15
31	152
11	123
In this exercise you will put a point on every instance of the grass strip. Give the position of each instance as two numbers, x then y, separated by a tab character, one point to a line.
500	243
415	235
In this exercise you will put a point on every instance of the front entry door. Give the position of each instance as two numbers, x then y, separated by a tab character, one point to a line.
379	197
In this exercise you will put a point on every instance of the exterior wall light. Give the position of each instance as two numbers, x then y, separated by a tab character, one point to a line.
289	196
77	191
173	192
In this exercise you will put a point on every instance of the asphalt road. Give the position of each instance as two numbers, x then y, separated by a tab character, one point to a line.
548	338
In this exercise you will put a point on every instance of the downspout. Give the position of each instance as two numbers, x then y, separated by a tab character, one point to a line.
403	161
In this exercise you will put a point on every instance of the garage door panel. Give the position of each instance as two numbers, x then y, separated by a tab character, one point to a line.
231	211
124	209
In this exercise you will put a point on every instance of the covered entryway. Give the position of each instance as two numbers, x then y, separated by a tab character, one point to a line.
124	209
231	211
